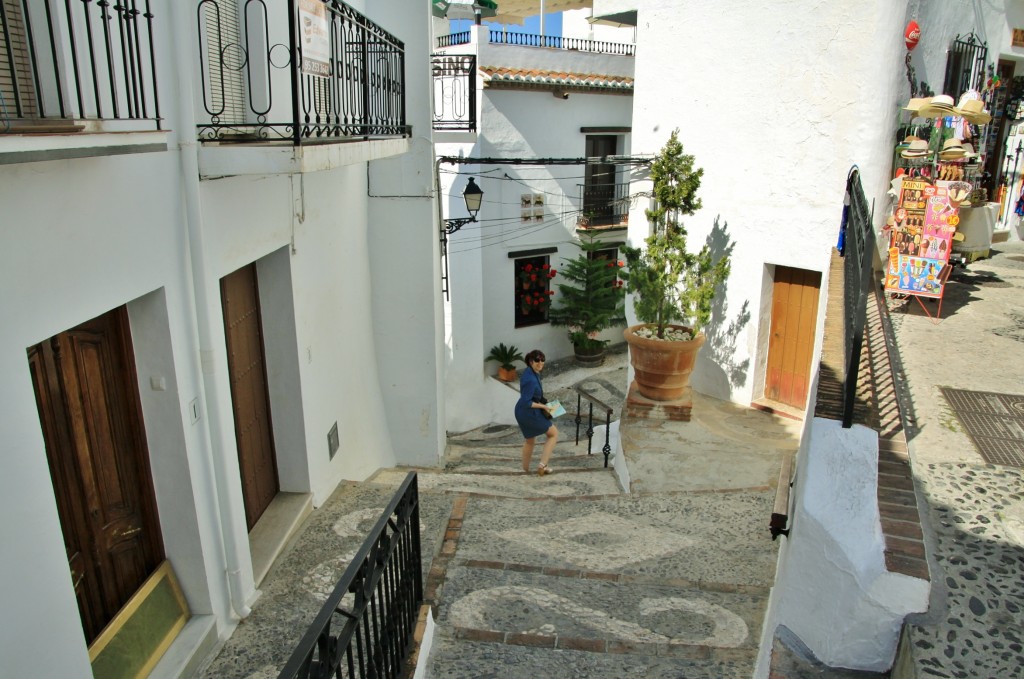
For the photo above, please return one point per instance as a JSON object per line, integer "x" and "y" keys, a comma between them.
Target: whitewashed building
{"x": 543, "y": 105}
{"x": 221, "y": 290}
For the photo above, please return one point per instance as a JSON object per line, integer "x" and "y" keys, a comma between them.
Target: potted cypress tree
{"x": 669, "y": 283}
{"x": 590, "y": 301}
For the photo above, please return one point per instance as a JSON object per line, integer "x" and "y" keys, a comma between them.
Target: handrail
{"x": 582, "y": 393}
{"x": 374, "y": 627}
{"x": 779, "y": 523}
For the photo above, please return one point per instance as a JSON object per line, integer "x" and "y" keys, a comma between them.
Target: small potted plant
{"x": 505, "y": 356}
{"x": 670, "y": 283}
{"x": 592, "y": 300}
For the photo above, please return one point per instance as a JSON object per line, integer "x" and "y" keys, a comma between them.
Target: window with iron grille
{"x": 532, "y": 290}
{"x": 965, "y": 66}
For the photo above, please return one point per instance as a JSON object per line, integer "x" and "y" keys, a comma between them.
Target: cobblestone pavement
{"x": 974, "y": 513}
{"x": 563, "y": 575}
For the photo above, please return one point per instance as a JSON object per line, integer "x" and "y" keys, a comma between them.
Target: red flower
{"x": 551, "y": 292}
{"x": 545, "y": 266}
{"x": 551, "y": 274}
{"x": 610, "y": 264}
{"x": 528, "y": 267}
{"x": 533, "y": 277}
{"x": 621, "y": 263}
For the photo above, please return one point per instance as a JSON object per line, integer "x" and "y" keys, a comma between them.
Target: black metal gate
{"x": 858, "y": 250}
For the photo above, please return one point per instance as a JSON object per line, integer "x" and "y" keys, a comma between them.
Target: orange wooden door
{"x": 791, "y": 345}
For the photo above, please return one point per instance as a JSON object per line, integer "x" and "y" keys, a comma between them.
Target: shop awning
{"x": 618, "y": 19}
{"x": 462, "y": 9}
{"x": 514, "y": 11}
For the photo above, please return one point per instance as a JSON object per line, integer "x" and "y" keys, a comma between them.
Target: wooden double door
{"x": 88, "y": 400}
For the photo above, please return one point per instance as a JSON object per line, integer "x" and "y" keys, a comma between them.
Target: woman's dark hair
{"x": 535, "y": 355}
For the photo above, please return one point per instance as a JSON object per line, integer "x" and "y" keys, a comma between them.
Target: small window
{"x": 532, "y": 290}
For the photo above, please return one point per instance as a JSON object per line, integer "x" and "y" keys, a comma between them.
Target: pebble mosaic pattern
{"x": 978, "y": 515}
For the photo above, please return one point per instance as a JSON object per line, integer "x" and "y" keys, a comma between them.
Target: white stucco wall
{"x": 776, "y": 140}
{"x": 81, "y": 237}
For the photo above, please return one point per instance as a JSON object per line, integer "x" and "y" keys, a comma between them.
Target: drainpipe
{"x": 234, "y": 551}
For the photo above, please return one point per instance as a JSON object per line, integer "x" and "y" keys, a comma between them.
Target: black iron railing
{"x": 461, "y": 38}
{"x": 323, "y": 72}
{"x": 454, "y": 91}
{"x": 560, "y": 43}
{"x": 604, "y": 204}
{"x": 366, "y": 626}
{"x": 603, "y": 407}
{"x": 70, "y": 61}
{"x": 858, "y": 252}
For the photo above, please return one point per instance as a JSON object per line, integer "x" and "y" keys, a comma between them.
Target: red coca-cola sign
{"x": 912, "y": 35}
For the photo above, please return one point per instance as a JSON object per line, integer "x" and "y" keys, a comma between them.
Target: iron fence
{"x": 454, "y": 92}
{"x": 74, "y": 61}
{"x": 560, "y": 43}
{"x": 366, "y": 626}
{"x": 323, "y": 73}
{"x": 858, "y": 250}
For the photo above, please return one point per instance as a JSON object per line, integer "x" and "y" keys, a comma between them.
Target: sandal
{"x": 543, "y": 469}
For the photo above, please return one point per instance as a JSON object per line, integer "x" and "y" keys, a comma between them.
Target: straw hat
{"x": 952, "y": 149}
{"x": 969, "y": 151}
{"x": 914, "y": 105}
{"x": 918, "y": 148}
{"x": 974, "y": 111}
{"x": 939, "y": 106}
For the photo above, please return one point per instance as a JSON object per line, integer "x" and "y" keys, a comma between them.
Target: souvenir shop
{"x": 941, "y": 213}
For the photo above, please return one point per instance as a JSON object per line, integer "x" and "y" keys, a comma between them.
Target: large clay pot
{"x": 662, "y": 369}
{"x": 507, "y": 375}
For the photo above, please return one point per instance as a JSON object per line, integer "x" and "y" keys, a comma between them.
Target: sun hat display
{"x": 915, "y": 104}
{"x": 969, "y": 151}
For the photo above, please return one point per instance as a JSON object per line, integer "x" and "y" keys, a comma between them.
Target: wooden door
{"x": 791, "y": 345}
{"x": 88, "y": 401}
{"x": 243, "y": 328}
{"x": 599, "y": 181}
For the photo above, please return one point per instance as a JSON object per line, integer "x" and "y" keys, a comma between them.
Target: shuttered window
{"x": 226, "y": 58}
{"x": 16, "y": 85}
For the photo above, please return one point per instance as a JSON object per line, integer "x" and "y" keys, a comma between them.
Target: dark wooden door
{"x": 251, "y": 403}
{"x": 791, "y": 345}
{"x": 88, "y": 401}
{"x": 599, "y": 181}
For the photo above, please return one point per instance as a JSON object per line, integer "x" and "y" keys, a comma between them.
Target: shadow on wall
{"x": 727, "y": 373}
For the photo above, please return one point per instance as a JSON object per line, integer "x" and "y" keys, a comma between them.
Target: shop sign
{"x": 314, "y": 38}
{"x": 921, "y": 240}
{"x": 1018, "y": 37}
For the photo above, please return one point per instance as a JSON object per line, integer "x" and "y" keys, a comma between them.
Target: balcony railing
{"x": 604, "y": 204}
{"x": 366, "y": 626}
{"x": 560, "y": 43}
{"x": 461, "y": 38}
{"x": 454, "y": 92}
{"x": 304, "y": 71}
{"x": 66, "y": 62}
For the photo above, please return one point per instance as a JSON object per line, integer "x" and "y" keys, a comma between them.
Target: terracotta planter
{"x": 507, "y": 374}
{"x": 662, "y": 369}
{"x": 589, "y": 356}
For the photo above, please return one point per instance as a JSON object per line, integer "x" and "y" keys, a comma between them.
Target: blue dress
{"x": 531, "y": 421}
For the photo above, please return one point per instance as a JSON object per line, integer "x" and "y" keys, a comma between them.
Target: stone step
{"x": 455, "y": 658}
{"x": 714, "y": 540}
{"x": 564, "y": 482}
{"x": 597, "y": 610}
{"x": 509, "y": 460}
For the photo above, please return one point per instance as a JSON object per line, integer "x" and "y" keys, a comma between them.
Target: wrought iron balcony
{"x": 301, "y": 71}
{"x": 603, "y": 204}
{"x": 67, "y": 66}
{"x": 454, "y": 92}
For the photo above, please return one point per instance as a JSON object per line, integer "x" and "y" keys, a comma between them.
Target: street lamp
{"x": 473, "y": 196}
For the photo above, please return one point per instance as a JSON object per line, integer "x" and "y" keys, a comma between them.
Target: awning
{"x": 618, "y": 19}
{"x": 462, "y": 9}
{"x": 514, "y": 11}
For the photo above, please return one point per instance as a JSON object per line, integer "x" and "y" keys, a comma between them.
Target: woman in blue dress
{"x": 534, "y": 415}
